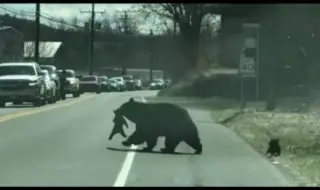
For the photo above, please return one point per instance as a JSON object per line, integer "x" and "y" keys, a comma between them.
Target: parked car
{"x": 113, "y": 85}
{"x": 22, "y": 82}
{"x": 129, "y": 82}
{"x": 54, "y": 76}
{"x": 121, "y": 83}
{"x": 104, "y": 83}
{"x": 167, "y": 83}
{"x": 72, "y": 85}
{"x": 138, "y": 84}
{"x": 90, "y": 83}
{"x": 50, "y": 87}
{"x": 156, "y": 84}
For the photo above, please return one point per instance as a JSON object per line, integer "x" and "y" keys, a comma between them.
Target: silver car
{"x": 22, "y": 82}
{"x": 72, "y": 85}
{"x": 50, "y": 87}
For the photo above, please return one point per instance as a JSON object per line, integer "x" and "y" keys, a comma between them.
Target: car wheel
{"x": 2, "y": 104}
{"x": 75, "y": 94}
{"x": 98, "y": 91}
{"x": 38, "y": 102}
{"x": 54, "y": 99}
{"x": 17, "y": 102}
{"x": 57, "y": 95}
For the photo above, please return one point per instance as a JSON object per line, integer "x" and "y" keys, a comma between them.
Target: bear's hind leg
{"x": 151, "y": 143}
{"x": 170, "y": 145}
{"x": 195, "y": 144}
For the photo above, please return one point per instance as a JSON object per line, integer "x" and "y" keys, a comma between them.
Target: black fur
{"x": 274, "y": 148}
{"x": 118, "y": 121}
{"x": 154, "y": 120}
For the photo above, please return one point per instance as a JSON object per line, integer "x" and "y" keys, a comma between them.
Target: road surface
{"x": 66, "y": 144}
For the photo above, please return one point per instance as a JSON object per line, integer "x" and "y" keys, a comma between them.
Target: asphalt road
{"x": 66, "y": 144}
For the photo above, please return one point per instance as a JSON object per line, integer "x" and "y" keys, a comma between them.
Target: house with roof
{"x": 11, "y": 44}
{"x": 49, "y": 52}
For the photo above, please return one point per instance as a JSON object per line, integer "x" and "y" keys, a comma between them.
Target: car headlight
{"x": 53, "y": 75}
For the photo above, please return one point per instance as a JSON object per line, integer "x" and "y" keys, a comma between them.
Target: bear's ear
{"x": 131, "y": 100}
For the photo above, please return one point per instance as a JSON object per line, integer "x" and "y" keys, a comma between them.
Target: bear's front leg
{"x": 134, "y": 139}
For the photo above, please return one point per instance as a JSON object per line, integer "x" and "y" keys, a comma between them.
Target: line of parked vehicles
{"x": 40, "y": 84}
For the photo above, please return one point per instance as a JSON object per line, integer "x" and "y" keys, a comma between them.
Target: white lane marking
{"x": 127, "y": 164}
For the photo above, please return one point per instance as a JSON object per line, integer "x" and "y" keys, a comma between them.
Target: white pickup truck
{"x": 22, "y": 82}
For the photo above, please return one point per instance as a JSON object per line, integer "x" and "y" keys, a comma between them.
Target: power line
{"x": 41, "y": 15}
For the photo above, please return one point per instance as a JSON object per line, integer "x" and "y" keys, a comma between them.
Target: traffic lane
{"x": 10, "y": 108}
{"x": 62, "y": 147}
{"x": 226, "y": 161}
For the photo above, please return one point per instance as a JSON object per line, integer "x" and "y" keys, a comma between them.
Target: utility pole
{"x": 126, "y": 32}
{"x": 37, "y": 41}
{"x": 91, "y": 50}
{"x": 174, "y": 28}
{"x": 151, "y": 56}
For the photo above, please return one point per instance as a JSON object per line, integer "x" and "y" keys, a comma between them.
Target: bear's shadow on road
{"x": 152, "y": 152}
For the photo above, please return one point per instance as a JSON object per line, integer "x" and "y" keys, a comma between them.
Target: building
{"x": 11, "y": 44}
{"x": 49, "y": 52}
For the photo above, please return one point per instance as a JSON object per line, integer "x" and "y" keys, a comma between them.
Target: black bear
{"x": 154, "y": 120}
{"x": 119, "y": 121}
{"x": 274, "y": 148}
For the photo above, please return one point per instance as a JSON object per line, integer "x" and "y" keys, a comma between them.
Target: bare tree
{"x": 74, "y": 21}
{"x": 125, "y": 22}
{"x": 22, "y": 13}
{"x": 189, "y": 19}
{"x": 106, "y": 25}
{"x": 62, "y": 24}
{"x": 51, "y": 24}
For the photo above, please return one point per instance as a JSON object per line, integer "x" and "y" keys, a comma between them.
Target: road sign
{"x": 250, "y": 43}
{"x": 247, "y": 66}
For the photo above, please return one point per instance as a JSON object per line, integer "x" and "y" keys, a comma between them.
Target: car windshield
{"x": 157, "y": 81}
{"x": 112, "y": 81}
{"x": 48, "y": 68}
{"x": 16, "y": 70}
{"x": 102, "y": 79}
{"x": 69, "y": 74}
{"x": 118, "y": 79}
{"x": 88, "y": 78}
{"x": 128, "y": 78}
{"x": 46, "y": 74}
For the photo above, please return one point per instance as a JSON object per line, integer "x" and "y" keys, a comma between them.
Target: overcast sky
{"x": 62, "y": 11}
{"x": 67, "y": 11}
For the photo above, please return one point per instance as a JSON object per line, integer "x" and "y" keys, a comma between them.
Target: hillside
{"x": 114, "y": 50}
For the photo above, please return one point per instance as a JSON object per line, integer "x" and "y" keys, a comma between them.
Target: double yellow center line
{"x": 41, "y": 109}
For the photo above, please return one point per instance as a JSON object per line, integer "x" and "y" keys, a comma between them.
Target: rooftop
{"x": 4, "y": 28}
{"x": 18, "y": 63}
{"x": 46, "y": 49}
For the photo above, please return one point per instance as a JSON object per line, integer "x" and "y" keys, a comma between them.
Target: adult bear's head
{"x": 131, "y": 110}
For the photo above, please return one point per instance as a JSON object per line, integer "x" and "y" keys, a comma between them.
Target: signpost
{"x": 249, "y": 57}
